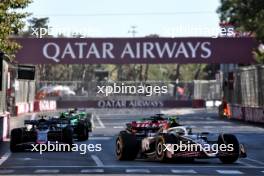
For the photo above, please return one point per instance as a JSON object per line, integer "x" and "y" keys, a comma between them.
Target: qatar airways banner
{"x": 134, "y": 50}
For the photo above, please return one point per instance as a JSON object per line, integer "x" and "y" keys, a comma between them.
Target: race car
{"x": 80, "y": 121}
{"x": 40, "y": 131}
{"x": 167, "y": 144}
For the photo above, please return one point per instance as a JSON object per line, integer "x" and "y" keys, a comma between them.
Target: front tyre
{"x": 83, "y": 132}
{"x": 228, "y": 157}
{"x": 67, "y": 136}
{"x": 127, "y": 146}
{"x": 16, "y": 138}
{"x": 160, "y": 151}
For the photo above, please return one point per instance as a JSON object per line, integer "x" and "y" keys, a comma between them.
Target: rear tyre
{"x": 83, "y": 132}
{"x": 127, "y": 146}
{"x": 160, "y": 153}
{"x": 229, "y": 157}
{"x": 16, "y": 138}
{"x": 67, "y": 136}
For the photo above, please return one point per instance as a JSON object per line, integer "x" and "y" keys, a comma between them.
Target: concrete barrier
{"x": 236, "y": 112}
{"x": 22, "y": 108}
{"x": 36, "y": 106}
{"x": 118, "y": 104}
{"x": 249, "y": 114}
{"x": 253, "y": 114}
{"x": 4, "y": 126}
{"x": 198, "y": 103}
{"x": 45, "y": 105}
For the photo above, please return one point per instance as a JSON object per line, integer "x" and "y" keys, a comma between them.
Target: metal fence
{"x": 2, "y": 101}
{"x": 249, "y": 86}
{"x": 207, "y": 90}
{"x": 4, "y": 82}
{"x": 25, "y": 91}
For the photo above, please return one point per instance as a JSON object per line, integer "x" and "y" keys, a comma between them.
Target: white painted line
{"x": 92, "y": 171}
{"x": 47, "y": 171}
{"x": 137, "y": 171}
{"x": 92, "y": 121}
{"x": 208, "y": 126}
{"x": 100, "y": 122}
{"x": 229, "y": 172}
{"x": 183, "y": 171}
{"x": 7, "y": 171}
{"x": 24, "y": 159}
{"x": 98, "y": 162}
{"x": 253, "y": 160}
{"x": 137, "y": 166}
{"x": 4, "y": 158}
{"x": 245, "y": 164}
{"x": 100, "y": 138}
{"x": 118, "y": 127}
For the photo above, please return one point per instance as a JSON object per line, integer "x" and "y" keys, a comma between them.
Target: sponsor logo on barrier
{"x": 129, "y": 104}
{"x": 47, "y": 105}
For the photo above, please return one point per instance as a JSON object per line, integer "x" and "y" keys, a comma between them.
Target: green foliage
{"x": 36, "y": 23}
{"x": 11, "y": 22}
{"x": 246, "y": 16}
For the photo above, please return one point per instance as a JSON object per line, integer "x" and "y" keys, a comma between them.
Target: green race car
{"x": 80, "y": 121}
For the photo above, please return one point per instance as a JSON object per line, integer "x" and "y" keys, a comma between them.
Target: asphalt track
{"x": 107, "y": 125}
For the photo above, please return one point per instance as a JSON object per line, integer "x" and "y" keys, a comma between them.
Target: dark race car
{"x": 41, "y": 131}
{"x": 167, "y": 144}
{"x": 80, "y": 121}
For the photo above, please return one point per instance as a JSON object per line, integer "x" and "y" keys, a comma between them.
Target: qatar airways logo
{"x": 129, "y": 50}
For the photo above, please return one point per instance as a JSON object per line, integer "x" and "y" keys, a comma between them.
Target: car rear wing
{"x": 30, "y": 122}
{"x": 144, "y": 126}
{"x": 58, "y": 121}
{"x": 48, "y": 121}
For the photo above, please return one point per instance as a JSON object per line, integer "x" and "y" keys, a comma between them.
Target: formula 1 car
{"x": 167, "y": 144}
{"x": 80, "y": 121}
{"x": 40, "y": 131}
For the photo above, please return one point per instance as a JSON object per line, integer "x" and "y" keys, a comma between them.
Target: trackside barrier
{"x": 36, "y": 106}
{"x": 236, "y": 112}
{"x": 249, "y": 114}
{"x": 45, "y": 105}
{"x": 4, "y": 125}
{"x": 198, "y": 103}
{"x": 254, "y": 114}
{"x": 22, "y": 108}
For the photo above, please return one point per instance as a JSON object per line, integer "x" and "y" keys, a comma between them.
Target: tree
{"x": 246, "y": 16}
{"x": 11, "y": 22}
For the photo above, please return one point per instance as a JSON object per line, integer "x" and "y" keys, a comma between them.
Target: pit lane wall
{"x": 248, "y": 114}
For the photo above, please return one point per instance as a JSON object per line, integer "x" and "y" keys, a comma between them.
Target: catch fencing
{"x": 81, "y": 90}
{"x": 248, "y": 88}
{"x": 25, "y": 91}
{"x": 3, "y": 88}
